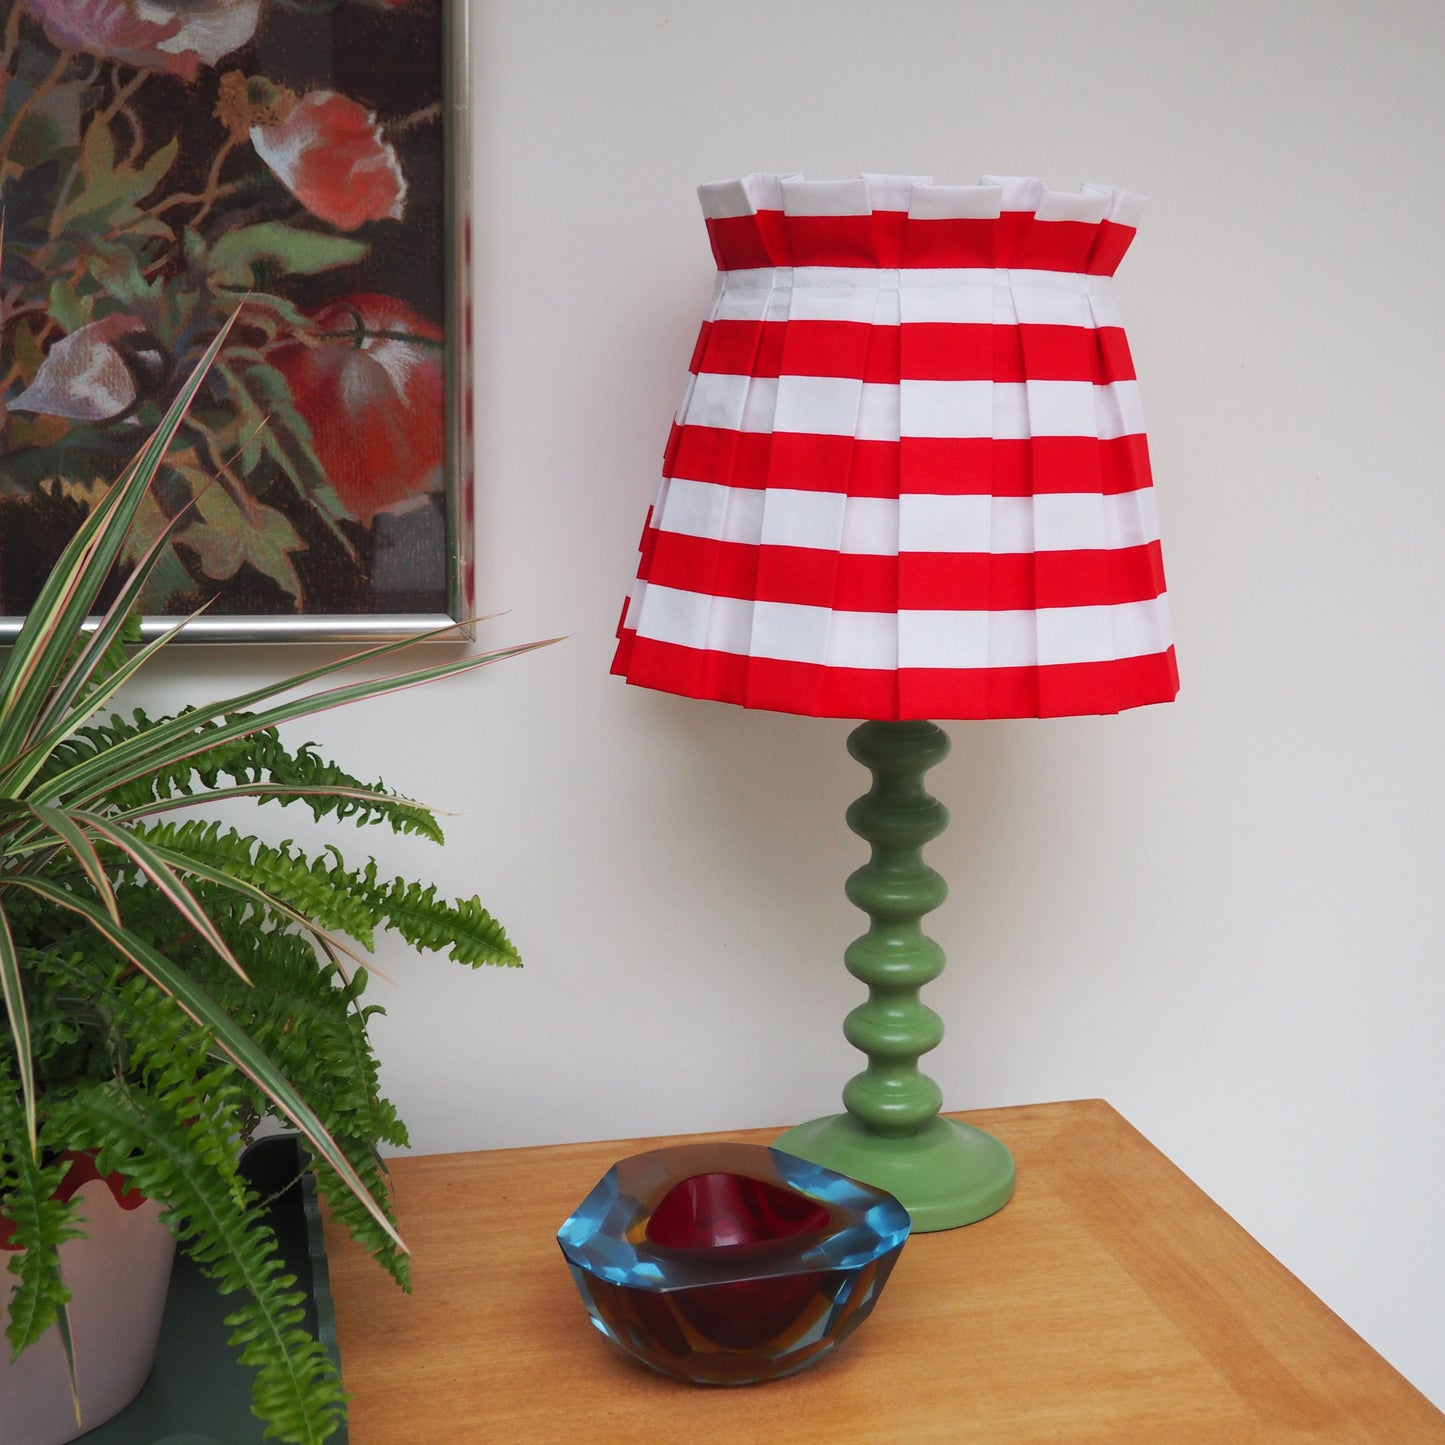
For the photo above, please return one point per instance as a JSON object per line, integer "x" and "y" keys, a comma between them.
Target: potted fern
{"x": 168, "y": 982}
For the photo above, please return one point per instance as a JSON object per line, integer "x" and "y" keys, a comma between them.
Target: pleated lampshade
{"x": 908, "y": 477}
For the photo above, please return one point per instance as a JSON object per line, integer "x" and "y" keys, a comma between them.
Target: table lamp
{"x": 907, "y": 480}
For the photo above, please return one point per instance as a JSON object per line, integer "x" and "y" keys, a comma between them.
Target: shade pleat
{"x": 747, "y": 523}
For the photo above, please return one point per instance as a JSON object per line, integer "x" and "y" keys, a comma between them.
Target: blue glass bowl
{"x": 730, "y": 1263}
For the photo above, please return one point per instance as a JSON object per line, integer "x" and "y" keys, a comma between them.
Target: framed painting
{"x": 164, "y": 163}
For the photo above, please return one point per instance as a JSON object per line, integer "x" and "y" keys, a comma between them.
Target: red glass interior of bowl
{"x": 723, "y": 1211}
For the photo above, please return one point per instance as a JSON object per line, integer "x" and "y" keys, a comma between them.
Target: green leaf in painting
{"x": 49, "y": 126}
{"x": 237, "y": 254}
{"x": 250, "y": 417}
{"x": 141, "y": 225}
{"x": 70, "y": 311}
{"x": 275, "y": 314}
{"x": 28, "y": 351}
{"x": 288, "y": 438}
{"x": 235, "y": 533}
{"x": 195, "y": 247}
{"x": 154, "y": 171}
{"x": 97, "y": 151}
{"x": 118, "y": 271}
{"x": 110, "y": 188}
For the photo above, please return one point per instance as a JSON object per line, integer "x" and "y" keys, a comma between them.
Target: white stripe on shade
{"x": 1034, "y": 639}
{"x": 1019, "y": 409}
{"x": 791, "y": 632}
{"x": 730, "y": 402}
{"x": 977, "y": 295}
{"x": 876, "y": 411}
{"x": 706, "y": 509}
{"x": 918, "y": 522}
{"x": 841, "y": 297}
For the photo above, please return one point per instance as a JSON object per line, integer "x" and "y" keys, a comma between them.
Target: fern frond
{"x": 328, "y": 1053}
{"x": 258, "y": 765}
{"x": 93, "y": 740}
{"x": 464, "y": 928}
{"x": 319, "y": 888}
{"x": 328, "y": 790}
{"x": 40, "y": 1223}
{"x": 310, "y": 1022}
{"x": 345, "y": 1209}
{"x": 230, "y": 1037}
{"x": 355, "y": 901}
{"x": 168, "y": 1132}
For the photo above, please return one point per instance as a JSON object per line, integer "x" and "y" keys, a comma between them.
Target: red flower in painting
{"x": 175, "y": 35}
{"x": 373, "y": 394}
{"x": 329, "y": 152}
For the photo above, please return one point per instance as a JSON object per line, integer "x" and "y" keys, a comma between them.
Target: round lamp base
{"x": 946, "y": 1175}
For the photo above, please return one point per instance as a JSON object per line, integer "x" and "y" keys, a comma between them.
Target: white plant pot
{"x": 118, "y": 1278}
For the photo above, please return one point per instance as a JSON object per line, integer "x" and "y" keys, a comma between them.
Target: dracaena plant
{"x": 168, "y": 982}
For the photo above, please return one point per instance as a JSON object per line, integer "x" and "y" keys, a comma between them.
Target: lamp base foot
{"x": 946, "y": 1175}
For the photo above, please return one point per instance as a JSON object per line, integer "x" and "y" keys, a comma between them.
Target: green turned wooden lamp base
{"x": 946, "y": 1175}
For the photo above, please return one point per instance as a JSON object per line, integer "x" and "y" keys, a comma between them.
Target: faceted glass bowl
{"x": 729, "y": 1264}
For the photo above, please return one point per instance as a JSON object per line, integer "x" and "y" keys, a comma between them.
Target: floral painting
{"x": 165, "y": 162}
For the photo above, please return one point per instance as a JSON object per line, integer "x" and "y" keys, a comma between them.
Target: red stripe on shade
{"x": 1112, "y": 241}
{"x": 919, "y": 351}
{"x": 1075, "y": 689}
{"x": 1028, "y": 467}
{"x": 783, "y": 459}
{"x": 699, "y": 350}
{"x": 963, "y": 241}
{"x": 947, "y": 351}
{"x": 1059, "y": 690}
{"x": 949, "y": 466}
{"x": 872, "y": 240}
{"x": 891, "y": 239}
{"x": 924, "y": 581}
{"x": 742, "y": 243}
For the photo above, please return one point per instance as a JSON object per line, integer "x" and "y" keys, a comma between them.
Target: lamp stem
{"x": 945, "y": 1173}
{"x": 895, "y": 958}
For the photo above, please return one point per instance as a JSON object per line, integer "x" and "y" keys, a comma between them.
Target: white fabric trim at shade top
{"x": 795, "y": 195}
{"x": 917, "y": 522}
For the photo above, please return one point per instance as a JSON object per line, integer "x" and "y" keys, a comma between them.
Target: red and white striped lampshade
{"x": 908, "y": 478}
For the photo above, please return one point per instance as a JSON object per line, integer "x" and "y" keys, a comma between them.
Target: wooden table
{"x": 1111, "y": 1301}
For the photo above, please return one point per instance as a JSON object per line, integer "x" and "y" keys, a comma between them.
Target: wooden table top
{"x": 1111, "y": 1301}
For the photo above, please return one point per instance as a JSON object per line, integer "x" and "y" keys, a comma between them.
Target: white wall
{"x": 1221, "y": 915}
